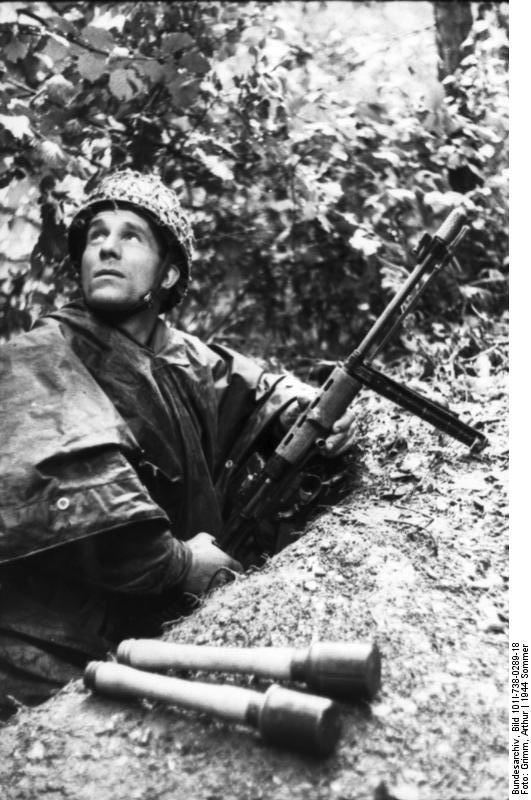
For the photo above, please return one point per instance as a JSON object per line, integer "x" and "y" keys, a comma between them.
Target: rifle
{"x": 279, "y": 478}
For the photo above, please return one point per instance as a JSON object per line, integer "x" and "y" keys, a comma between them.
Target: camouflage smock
{"x": 111, "y": 452}
{"x": 100, "y": 432}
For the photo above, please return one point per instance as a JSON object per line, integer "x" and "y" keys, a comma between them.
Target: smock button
{"x": 63, "y": 503}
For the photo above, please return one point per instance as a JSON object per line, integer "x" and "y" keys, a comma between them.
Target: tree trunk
{"x": 453, "y": 21}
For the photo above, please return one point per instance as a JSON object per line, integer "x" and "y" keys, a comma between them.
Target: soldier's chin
{"x": 108, "y": 302}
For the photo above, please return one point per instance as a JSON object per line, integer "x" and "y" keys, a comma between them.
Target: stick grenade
{"x": 346, "y": 670}
{"x": 283, "y": 717}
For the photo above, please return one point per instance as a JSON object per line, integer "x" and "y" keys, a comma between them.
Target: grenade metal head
{"x": 299, "y": 721}
{"x": 346, "y": 670}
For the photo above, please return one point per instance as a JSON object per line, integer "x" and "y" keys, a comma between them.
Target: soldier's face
{"x": 121, "y": 261}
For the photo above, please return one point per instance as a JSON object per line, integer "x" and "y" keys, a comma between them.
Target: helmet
{"x": 150, "y": 196}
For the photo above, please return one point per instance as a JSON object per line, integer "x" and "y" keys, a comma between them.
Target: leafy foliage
{"x": 305, "y": 203}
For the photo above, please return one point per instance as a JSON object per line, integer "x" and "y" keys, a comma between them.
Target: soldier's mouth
{"x": 106, "y": 272}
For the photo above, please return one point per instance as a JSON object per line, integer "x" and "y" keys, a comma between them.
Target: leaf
{"x": 36, "y": 752}
{"x": 363, "y": 243}
{"x": 18, "y": 193}
{"x": 214, "y": 165}
{"x": 324, "y": 222}
{"x": 475, "y": 292}
{"x": 19, "y": 238}
{"x": 474, "y": 482}
{"x": 54, "y": 121}
{"x": 483, "y": 365}
{"x": 405, "y": 791}
{"x": 18, "y": 125}
{"x": 59, "y": 90}
{"x": 115, "y": 125}
{"x": 350, "y": 218}
{"x": 98, "y": 37}
{"x": 402, "y": 195}
{"x": 330, "y": 191}
{"x": 183, "y": 92}
{"x": 392, "y": 514}
{"x": 176, "y": 41}
{"x": 73, "y": 187}
{"x": 389, "y": 156}
{"x": 469, "y": 61}
{"x": 8, "y": 12}
{"x": 152, "y": 70}
{"x": 487, "y": 151}
{"x": 64, "y": 25}
{"x": 118, "y": 53}
{"x": 338, "y": 152}
{"x": 16, "y": 49}
{"x": 480, "y": 26}
{"x": 195, "y": 62}
{"x": 442, "y": 201}
{"x": 91, "y": 66}
{"x": 112, "y": 18}
{"x": 225, "y": 75}
{"x": 99, "y": 145}
{"x": 56, "y": 49}
{"x": 411, "y": 463}
{"x": 51, "y": 153}
{"x": 308, "y": 209}
{"x": 120, "y": 83}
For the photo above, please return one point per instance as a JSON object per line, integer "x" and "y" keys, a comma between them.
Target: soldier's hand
{"x": 343, "y": 435}
{"x": 210, "y": 565}
{"x": 291, "y": 412}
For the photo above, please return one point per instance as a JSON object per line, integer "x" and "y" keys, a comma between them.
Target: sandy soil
{"x": 415, "y": 558}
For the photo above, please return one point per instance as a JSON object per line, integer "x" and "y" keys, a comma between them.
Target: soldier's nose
{"x": 110, "y": 248}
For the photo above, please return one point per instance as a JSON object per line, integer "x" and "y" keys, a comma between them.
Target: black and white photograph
{"x": 254, "y": 403}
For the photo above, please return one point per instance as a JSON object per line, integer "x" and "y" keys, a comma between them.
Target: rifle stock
{"x": 307, "y": 434}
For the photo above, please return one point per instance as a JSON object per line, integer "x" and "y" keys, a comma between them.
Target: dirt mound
{"x": 417, "y": 559}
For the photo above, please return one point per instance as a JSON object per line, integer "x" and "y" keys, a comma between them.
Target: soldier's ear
{"x": 171, "y": 277}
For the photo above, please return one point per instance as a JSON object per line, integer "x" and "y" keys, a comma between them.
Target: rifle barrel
{"x": 435, "y": 255}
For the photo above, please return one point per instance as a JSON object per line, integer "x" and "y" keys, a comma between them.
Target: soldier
{"x": 120, "y": 438}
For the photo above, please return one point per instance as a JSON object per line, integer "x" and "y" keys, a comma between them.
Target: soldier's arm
{"x": 141, "y": 560}
{"x": 155, "y": 563}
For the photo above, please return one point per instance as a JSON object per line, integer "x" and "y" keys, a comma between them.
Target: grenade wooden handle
{"x": 347, "y": 670}
{"x": 283, "y": 717}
